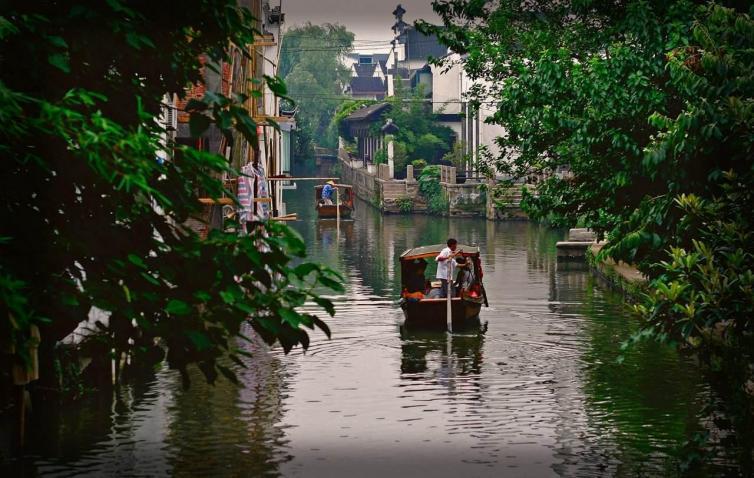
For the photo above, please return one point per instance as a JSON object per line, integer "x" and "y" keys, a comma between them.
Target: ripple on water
{"x": 537, "y": 392}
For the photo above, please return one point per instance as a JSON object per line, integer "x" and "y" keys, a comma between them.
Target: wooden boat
{"x": 432, "y": 312}
{"x": 329, "y": 211}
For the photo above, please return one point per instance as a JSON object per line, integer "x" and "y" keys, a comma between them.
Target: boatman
{"x": 327, "y": 192}
{"x": 446, "y": 265}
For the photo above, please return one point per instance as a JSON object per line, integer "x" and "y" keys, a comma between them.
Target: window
{"x": 365, "y": 60}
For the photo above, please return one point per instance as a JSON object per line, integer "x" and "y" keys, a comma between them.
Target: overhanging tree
{"x": 646, "y": 107}
{"x": 91, "y": 219}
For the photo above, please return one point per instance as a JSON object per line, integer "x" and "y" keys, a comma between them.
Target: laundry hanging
{"x": 253, "y": 194}
{"x": 246, "y": 194}
{"x": 262, "y": 192}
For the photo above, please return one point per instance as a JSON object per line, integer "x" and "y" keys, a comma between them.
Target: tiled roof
{"x": 367, "y": 113}
{"x": 421, "y": 47}
{"x": 370, "y": 84}
{"x": 364, "y": 70}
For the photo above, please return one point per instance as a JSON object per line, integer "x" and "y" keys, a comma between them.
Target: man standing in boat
{"x": 327, "y": 193}
{"x": 446, "y": 265}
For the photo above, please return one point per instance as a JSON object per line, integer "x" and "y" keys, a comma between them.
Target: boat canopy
{"x": 433, "y": 250}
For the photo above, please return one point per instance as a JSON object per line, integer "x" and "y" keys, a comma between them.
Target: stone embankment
{"x": 582, "y": 245}
{"x": 375, "y": 185}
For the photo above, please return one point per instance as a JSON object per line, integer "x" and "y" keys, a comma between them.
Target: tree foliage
{"x": 638, "y": 118}
{"x": 91, "y": 220}
{"x": 310, "y": 63}
{"x": 419, "y": 133}
{"x": 619, "y": 107}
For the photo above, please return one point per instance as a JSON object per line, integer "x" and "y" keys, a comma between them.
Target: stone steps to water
{"x": 393, "y": 191}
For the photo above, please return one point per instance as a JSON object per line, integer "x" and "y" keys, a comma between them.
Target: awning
{"x": 433, "y": 250}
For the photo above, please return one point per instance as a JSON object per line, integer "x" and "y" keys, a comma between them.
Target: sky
{"x": 369, "y": 20}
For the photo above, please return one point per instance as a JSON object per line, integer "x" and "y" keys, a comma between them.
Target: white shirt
{"x": 442, "y": 266}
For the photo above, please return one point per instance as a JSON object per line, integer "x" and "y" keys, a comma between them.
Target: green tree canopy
{"x": 588, "y": 88}
{"x": 91, "y": 219}
{"x": 311, "y": 64}
{"x": 419, "y": 134}
{"x": 638, "y": 117}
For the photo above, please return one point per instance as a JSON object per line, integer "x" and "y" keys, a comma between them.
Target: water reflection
{"x": 536, "y": 392}
{"x": 440, "y": 354}
{"x": 222, "y": 429}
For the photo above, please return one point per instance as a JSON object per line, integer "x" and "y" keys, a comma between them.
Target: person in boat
{"x": 416, "y": 284}
{"x": 465, "y": 278}
{"x": 327, "y": 193}
{"x": 446, "y": 266}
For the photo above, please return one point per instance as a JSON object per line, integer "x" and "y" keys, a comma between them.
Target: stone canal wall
{"x": 401, "y": 196}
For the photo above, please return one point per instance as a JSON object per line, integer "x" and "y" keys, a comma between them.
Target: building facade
{"x": 271, "y": 151}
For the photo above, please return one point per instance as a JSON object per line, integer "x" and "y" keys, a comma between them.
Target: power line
{"x": 337, "y": 47}
{"x": 405, "y": 100}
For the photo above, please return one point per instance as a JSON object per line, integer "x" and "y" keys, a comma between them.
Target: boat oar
{"x": 337, "y": 210}
{"x": 449, "y": 310}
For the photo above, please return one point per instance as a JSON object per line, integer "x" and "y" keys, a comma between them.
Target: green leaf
{"x": 292, "y": 317}
{"x": 178, "y": 307}
{"x": 335, "y": 286}
{"x": 57, "y": 41}
{"x": 325, "y": 304}
{"x": 303, "y": 270}
{"x": 59, "y": 61}
{"x": 276, "y": 85}
{"x": 200, "y": 340}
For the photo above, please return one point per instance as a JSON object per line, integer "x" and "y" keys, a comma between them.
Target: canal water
{"x": 537, "y": 391}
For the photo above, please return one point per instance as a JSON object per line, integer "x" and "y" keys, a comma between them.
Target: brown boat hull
{"x": 329, "y": 212}
{"x": 432, "y": 313}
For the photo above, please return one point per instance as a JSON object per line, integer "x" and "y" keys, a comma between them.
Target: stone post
{"x": 490, "y": 203}
{"x": 410, "y": 173}
{"x": 451, "y": 175}
{"x": 390, "y": 161}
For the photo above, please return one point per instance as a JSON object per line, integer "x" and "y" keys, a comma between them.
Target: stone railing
{"x": 448, "y": 174}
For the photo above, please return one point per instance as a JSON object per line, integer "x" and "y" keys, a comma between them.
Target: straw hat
{"x": 331, "y": 182}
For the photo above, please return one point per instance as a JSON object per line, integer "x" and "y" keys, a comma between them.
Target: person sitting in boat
{"x": 327, "y": 193}
{"x": 446, "y": 266}
{"x": 465, "y": 278}
{"x": 416, "y": 284}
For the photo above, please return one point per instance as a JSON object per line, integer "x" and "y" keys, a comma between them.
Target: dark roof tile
{"x": 364, "y": 70}
{"x": 420, "y": 46}
{"x": 367, "y": 85}
{"x": 369, "y": 112}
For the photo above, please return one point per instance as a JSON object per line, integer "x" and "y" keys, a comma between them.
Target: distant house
{"x": 409, "y": 62}
{"x": 369, "y": 88}
{"x": 368, "y": 75}
{"x": 360, "y": 126}
{"x": 444, "y": 87}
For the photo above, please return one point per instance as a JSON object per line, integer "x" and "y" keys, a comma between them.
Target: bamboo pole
{"x": 449, "y": 310}
{"x": 337, "y": 211}
{"x": 291, "y": 178}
